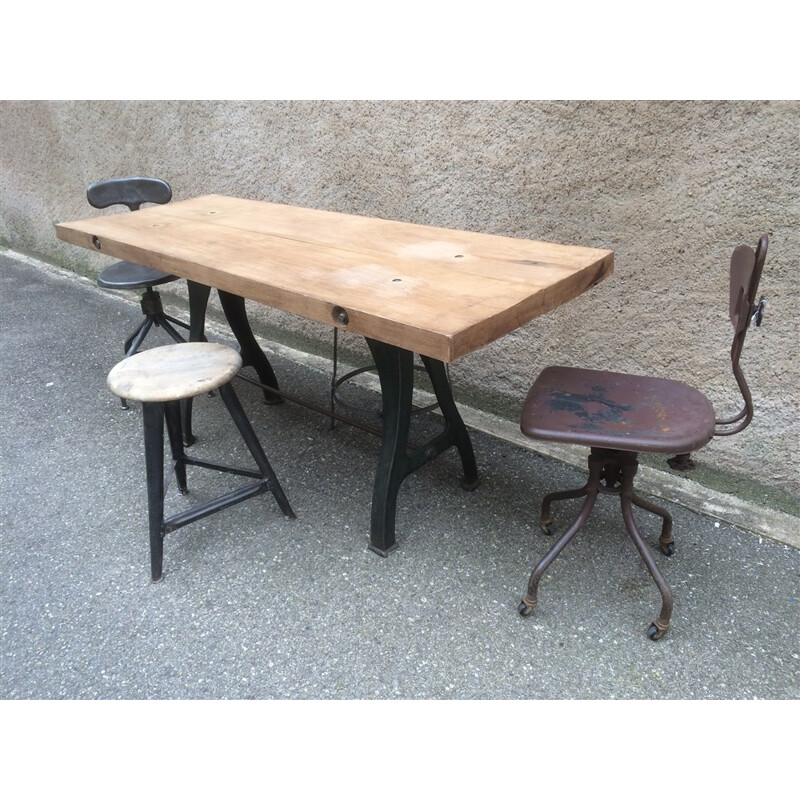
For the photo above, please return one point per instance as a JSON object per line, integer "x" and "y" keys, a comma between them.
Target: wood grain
{"x": 435, "y": 291}
{"x": 174, "y": 371}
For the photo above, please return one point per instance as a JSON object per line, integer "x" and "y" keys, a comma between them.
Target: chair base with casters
{"x": 619, "y": 416}
{"x": 610, "y": 472}
{"x": 159, "y": 379}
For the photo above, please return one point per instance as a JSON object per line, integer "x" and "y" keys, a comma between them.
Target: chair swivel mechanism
{"x": 619, "y": 415}
{"x": 133, "y": 193}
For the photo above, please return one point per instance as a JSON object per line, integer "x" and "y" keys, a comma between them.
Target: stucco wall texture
{"x": 672, "y": 187}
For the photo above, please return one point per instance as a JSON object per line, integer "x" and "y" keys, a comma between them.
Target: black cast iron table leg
{"x": 396, "y": 372}
{"x": 252, "y": 354}
{"x": 455, "y": 430}
{"x": 198, "y": 303}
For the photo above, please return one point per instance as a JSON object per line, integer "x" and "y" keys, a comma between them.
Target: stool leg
{"x": 172, "y": 413}
{"x": 251, "y": 440}
{"x": 178, "y": 322}
{"x": 162, "y": 322}
{"x": 133, "y": 342}
{"x": 153, "y": 416}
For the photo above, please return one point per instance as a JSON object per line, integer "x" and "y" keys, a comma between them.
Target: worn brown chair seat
{"x": 619, "y": 415}
{"x": 617, "y": 411}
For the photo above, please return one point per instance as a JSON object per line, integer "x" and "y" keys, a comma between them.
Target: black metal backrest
{"x": 131, "y": 192}
{"x": 746, "y": 268}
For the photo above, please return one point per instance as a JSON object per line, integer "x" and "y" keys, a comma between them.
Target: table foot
{"x": 382, "y": 553}
{"x": 470, "y": 485}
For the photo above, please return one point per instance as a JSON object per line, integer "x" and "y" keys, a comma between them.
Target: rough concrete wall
{"x": 671, "y": 187}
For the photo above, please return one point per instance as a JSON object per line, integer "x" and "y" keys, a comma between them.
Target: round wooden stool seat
{"x": 174, "y": 372}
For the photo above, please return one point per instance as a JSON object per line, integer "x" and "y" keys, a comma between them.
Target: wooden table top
{"x": 435, "y": 291}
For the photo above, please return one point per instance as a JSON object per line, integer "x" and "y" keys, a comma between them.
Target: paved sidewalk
{"x": 256, "y": 606}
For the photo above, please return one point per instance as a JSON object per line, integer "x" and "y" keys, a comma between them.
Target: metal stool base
{"x": 155, "y": 414}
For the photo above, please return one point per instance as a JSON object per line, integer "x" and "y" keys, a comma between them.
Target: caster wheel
{"x": 654, "y": 633}
{"x": 668, "y": 549}
{"x": 524, "y": 609}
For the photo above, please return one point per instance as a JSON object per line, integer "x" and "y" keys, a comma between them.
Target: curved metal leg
{"x": 546, "y": 517}
{"x": 661, "y": 625}
{"x": 395, "y": 369}
{"x": 610, "y": 472}
{"x": 252, "y": 354}
{"x": 528, "y": 603}
{"x": 454, "y": 425}
{"x": 332, "y": 394}
{"x": 665, "y": 541}
{"x": 198, "y": 303}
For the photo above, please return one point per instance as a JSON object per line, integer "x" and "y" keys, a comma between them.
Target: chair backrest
{"x": 746, "y": 268}
{"x": 131, "y": 192}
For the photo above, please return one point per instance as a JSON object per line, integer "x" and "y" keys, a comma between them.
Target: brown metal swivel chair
{"x": 619, "y": 416}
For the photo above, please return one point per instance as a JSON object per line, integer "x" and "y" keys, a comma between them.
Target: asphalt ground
{"x": 255, "y": 606}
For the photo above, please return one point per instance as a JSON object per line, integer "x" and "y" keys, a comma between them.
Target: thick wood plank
{"x": 435, "y": 291}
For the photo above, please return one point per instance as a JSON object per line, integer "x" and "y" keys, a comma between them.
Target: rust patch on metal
{"x": 594, "y": 409}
